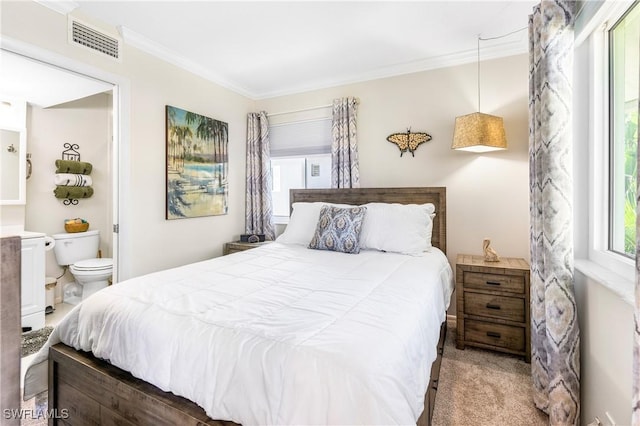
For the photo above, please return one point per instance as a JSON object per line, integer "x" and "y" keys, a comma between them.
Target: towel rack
{"x": 71, "y": 153}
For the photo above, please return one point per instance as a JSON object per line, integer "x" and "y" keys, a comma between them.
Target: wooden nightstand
{"x": 236, "y": 246}
{"x": 493, "y": 304}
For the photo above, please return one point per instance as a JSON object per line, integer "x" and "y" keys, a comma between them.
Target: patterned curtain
{"x": 344, "y": 148}
{"x": 555, "y": 337}
{"x": 258, "y": 212}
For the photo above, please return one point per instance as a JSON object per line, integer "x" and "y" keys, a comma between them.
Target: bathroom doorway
{"x": 110, "y": 102}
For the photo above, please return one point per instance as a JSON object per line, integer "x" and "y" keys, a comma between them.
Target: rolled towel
{"x": 68, "y": 166}
{"x": 73, "y": 192}
{"x": 71, "y": 179}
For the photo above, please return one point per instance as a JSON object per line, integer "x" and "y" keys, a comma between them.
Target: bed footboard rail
{"x": 84, "y": 390}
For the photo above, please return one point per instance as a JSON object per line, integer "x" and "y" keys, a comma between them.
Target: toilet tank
{"x": 73, "y": 247}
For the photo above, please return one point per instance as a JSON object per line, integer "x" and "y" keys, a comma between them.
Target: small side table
{"x": 492, "y": 301}
{"x": 236, "y": 246}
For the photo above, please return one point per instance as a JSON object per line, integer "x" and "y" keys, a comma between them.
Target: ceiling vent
{"x": 89, "y": 37}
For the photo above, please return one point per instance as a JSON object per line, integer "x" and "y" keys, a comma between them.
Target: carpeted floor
{"x": 32, "y": 341}
{"x": 479, "y": 387}
{"x": 476, "y": 387}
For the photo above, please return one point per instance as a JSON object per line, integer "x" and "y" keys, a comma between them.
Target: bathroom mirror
{"x": 13, "y": 165}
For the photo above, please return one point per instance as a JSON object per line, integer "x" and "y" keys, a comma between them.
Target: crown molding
{"x": 495, "y": 51}
{"x": 444, "y": 61}
{"x": 141, "y": 42}
{"x": 63, "y": 7}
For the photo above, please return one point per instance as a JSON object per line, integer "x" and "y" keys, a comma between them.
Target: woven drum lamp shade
{"x": 479, "y": 132}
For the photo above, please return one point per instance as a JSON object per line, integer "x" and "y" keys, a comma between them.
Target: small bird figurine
{"x": 490, "y": 254}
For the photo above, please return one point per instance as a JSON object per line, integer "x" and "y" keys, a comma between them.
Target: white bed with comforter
{"x": 291, "y": 335}
{"x": 280, "y": 334}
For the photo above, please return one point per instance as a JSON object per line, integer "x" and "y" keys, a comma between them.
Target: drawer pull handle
{"x": 491, "y": 306}
{"x": 493, "y": 334}
{"x": 493, "y": 283}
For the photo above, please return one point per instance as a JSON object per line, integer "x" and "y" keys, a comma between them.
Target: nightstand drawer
{"x": 503, "y": 336}
{"x": 484, "y": 281}
{"x": 487, "y": 305}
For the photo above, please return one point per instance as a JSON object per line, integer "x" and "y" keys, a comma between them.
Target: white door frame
{"x": 121, "y": 245}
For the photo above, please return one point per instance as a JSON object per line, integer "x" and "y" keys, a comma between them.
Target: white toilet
{"x": 78, "y": 251}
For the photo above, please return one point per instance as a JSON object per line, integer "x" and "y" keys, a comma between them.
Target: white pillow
{"x": 399, "y": 228}
{"x": 303, "y": 222}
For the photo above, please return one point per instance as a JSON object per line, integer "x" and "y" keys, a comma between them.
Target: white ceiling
{"x": 43, "y": 85}
{"x": 267, "y": 48}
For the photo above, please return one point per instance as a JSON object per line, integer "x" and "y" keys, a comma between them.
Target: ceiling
{"x": 266, "y": 48}
{"x": 41, "y": 84}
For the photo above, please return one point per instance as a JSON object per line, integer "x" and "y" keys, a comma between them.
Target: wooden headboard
{"x": 357, "y": 196}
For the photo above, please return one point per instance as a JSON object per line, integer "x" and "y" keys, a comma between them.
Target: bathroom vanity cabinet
{"x": 33, "y": 280}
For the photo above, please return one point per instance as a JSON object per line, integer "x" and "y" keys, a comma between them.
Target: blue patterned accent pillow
{"x": 339, "y": 229}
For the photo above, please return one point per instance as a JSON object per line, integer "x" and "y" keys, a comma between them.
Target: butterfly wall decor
{"x": 408, "y": 141}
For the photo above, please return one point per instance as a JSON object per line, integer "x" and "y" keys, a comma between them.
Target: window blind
{"x": 300, "y": 138}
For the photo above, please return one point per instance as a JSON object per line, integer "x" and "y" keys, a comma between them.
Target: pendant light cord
{"x": 478, "y": 72}
{"x": 491, "y": 38}
{"x": 502, "y": 36}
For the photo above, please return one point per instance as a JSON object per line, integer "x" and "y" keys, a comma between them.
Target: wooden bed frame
{"x": 84, "y": 390}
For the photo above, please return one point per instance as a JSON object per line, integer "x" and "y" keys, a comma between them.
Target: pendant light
{"x": 478, "y": 132}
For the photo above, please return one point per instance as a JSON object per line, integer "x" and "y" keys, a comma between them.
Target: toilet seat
{"x": 93, "y": 265}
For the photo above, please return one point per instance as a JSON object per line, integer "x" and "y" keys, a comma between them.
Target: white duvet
{"x": 279, "y": 334}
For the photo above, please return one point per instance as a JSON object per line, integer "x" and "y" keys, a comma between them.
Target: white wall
{"x": 606, "y": 352}
{"x": 154, "y": 242}
{"x": 487, "y": 195}
{"x": 86, "y": 122}
{"x": 12, "y": 216}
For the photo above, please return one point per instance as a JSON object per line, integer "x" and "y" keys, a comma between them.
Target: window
{"x": 313, "y": 171}
{"x": 624, "y": 90}
{"x": 300, "y": 158}
{"x": 607, "y": 47}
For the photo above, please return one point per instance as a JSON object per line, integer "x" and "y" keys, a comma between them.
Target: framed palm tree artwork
{"x": 197, "y": 164}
